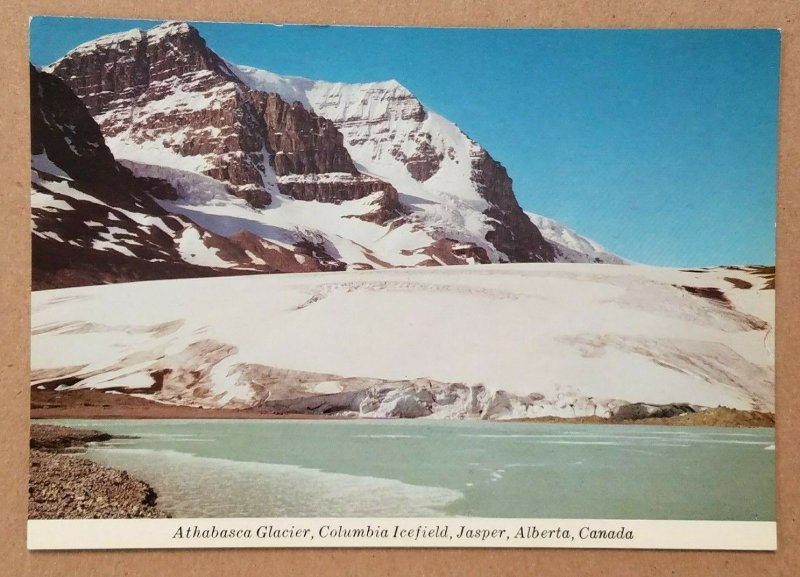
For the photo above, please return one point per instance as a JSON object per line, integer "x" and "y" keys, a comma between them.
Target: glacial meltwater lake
{"x": 426, "y": 468}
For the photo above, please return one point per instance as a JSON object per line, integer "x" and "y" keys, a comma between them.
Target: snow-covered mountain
{"x": 570, "y": 246}
{"x": 297, "y": 174}
{"x": 449, "y": 181}
{"x": 496, "y": 341}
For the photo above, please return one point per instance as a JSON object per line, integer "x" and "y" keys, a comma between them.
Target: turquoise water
{"x": 422, "y": 468}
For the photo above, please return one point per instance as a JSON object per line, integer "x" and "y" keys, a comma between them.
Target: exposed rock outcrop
{"x": 83, "y": 199}
{"x": 514, "y": 234}
{"x": 65, "y": 133}
{"x": 337, "y": 188}
{"x": 636, "y": 411}
{"x": 305, "y": 143}
{"x": 386, "y": 207}
{"x": 446, "y": 251}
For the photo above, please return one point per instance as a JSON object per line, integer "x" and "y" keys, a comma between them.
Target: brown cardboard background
{"x": 15, "y": 273}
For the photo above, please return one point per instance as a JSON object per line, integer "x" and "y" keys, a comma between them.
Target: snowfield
{"x": 486, "y": 341}
{"x": 571, "y": 246}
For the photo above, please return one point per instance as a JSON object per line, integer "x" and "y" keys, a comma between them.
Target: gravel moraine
{"x": 67, "y": 486}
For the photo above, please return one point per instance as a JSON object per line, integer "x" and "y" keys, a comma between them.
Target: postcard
{"x": 330, "y": 286}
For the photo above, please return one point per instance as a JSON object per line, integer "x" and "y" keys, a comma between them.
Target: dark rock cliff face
{"x": 336, "y": 191}
{"x": 62, "y": 129}
{"x": 125, "y": 67}
{"x": 188, "y": 100}
{"x": 307, "y": 143}
{"x": 514, "y": 233}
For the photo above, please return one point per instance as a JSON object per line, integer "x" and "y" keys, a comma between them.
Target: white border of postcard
{"x": 400, "y": 532}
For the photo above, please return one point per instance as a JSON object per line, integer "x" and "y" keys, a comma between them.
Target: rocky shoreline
{"x": 63, "y": 485}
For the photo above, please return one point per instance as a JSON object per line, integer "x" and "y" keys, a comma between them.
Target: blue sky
{"x": 659, "y": 144}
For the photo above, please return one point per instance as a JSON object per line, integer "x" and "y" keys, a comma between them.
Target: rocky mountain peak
{"x": 171, "y": 28}
{"x": 120, "y": 67}
{"x": 387, "y": 101}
